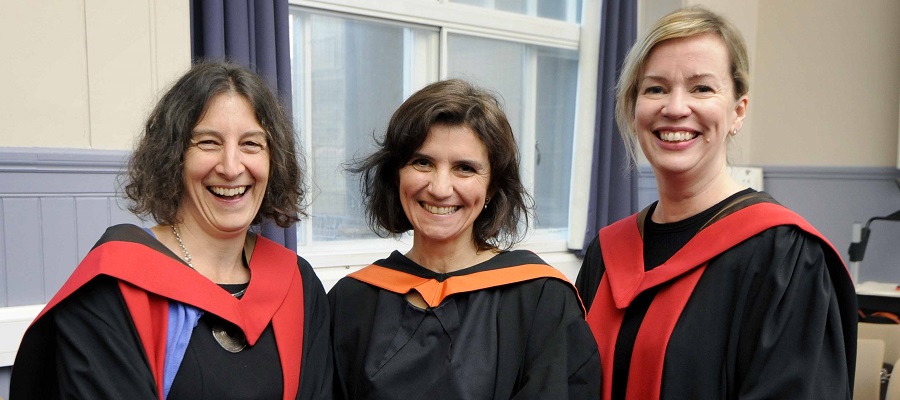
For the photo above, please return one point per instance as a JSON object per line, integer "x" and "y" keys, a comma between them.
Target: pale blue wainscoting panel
{"x": 23, "y": 250}
{"x": 54, "y": 205}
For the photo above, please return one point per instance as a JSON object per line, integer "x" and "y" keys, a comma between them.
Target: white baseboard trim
{"x": 13, "y": 322}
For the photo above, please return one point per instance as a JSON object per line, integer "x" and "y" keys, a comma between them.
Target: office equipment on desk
{"x": 873, "y": 296}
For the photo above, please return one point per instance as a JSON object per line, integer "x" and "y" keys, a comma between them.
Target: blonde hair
{"x": 682, "y": 23}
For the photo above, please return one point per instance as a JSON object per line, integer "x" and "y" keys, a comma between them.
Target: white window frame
{"x": 334, "y": 260}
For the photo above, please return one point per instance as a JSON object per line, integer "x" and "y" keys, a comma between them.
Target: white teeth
{"x": 676, "y": 136}
{"x": 228, "y": 192}
{"x": 439, "y": 210}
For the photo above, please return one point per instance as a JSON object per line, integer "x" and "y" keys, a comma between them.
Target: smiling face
{"x": 444, "y": 185}
{"x": 686, "y": 107}
{"x": 226, "y": 168}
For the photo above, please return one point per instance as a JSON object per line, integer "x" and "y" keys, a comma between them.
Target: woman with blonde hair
{"x": 715, "y": 291}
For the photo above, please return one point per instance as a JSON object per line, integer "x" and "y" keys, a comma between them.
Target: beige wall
{"x": 83, "y": 73}
{"x": 825, "y": 79}
{"x": 825, "y": 74}
{"x": 828, "y": 81}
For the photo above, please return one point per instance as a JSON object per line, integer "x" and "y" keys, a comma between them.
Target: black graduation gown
{"x": 87, "y": 344}
{"x": 771, "y": 317}
{"x": 526, "y": 339}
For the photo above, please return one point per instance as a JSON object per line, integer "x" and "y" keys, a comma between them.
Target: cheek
{"x": 643, "y": 113}
{"x": 193, "y": 171}
{"x": 406, "y": 182}
{"x": 260, "y": 168}
{"x": 477, "y": 189}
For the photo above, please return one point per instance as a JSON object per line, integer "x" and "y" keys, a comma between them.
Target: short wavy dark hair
{"x": 457, "y": 103}
{"x": 155, "y": 177}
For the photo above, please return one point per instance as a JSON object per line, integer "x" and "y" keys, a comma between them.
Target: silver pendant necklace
{"x": 232, "y": 340}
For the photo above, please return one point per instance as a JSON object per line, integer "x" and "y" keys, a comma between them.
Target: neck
{"x": 683, "y": 198}
{"x": 447, "y": 257}
{"x": 219, "y": 259}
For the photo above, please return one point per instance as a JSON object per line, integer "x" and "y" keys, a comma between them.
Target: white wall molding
{"x": 13, "y": 322}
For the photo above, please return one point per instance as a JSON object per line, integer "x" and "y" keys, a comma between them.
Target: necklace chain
{"x": 187, "y": 257}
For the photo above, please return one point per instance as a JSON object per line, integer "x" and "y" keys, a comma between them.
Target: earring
{"x": 486, "y": 202}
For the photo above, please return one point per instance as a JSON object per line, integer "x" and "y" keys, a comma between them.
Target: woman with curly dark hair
{"x": 197, "y": 306}
{"x": 459, "y": 316}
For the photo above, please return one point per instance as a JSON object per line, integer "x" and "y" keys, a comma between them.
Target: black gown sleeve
{"x": 99, "y": 354}
{"x": 791, "y": 343}
{"x": 317, "y": 365}
{"x": 591, "y": 272}
{"x": 559, "y": 337}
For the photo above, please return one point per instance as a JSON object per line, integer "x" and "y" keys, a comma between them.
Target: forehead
{"x": 453, "y": 138}
{"x": 700, "y": 54}
{"x": 229, "y": 109}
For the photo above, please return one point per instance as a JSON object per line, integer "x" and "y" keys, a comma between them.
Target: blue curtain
{"x": 253, "y": 33}
{"x": 613, "y": 193}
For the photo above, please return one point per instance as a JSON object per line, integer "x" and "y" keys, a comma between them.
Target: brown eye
{"x": 467, "y": 169}
{"x": 207, "y": 145}
{"x": 653, "y": 91}
{"x": 252, "y": 147}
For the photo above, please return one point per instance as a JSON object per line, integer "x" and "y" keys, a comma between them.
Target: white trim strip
{"x": 13, "y": 322}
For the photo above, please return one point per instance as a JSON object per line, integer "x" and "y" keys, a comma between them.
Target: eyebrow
{"x": 196, "y": 132}
{"x": 476, "y": 164}
{"x": 692, "y": 78}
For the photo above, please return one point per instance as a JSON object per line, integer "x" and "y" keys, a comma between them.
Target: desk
{"x": 878, "y": 296}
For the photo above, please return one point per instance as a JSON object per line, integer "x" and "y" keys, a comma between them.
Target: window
{"x": 556, "y": 9}
{"x": 355, "y": 61}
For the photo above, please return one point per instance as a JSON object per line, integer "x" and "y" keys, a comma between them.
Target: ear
{"x": 491, "y": 193}
{"x": 740, "y": 110}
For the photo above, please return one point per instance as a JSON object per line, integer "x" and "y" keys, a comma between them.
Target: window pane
{"x": 563, "y": 10}
{"x": 358, "y": 72}
{"x": 537, "y": 85}
{"x": 492, "y": 64}
{"x": 557, "y": 77}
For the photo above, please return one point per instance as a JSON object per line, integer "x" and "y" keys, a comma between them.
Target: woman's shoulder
{"x": 349, "y": 287}
{"x": 786, "y": 237}
{"x": 782, "y": 251}
{"x": 127, "y": 233}
{"x": 99, "y": 296}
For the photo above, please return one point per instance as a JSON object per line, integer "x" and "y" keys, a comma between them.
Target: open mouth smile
{"x": 680, "y": 136}
{"x": 439, "y": 210}
{"x": 228, "y": 192}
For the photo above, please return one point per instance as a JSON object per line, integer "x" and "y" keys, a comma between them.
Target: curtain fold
{"x": 613, "y": 192}
{"x": 253, "y": 33}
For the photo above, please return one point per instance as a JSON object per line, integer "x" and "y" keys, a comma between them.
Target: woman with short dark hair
{"x": 459, "y": 316}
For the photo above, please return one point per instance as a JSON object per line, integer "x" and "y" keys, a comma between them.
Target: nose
{"x": 676, "y": 105}
{"x": 230, "y": 164}
{"x": 441, "y": 185}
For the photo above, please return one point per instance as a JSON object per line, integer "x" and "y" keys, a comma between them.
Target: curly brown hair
{"x": 155, "y": 176}
{"x": 453, "y": 102}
